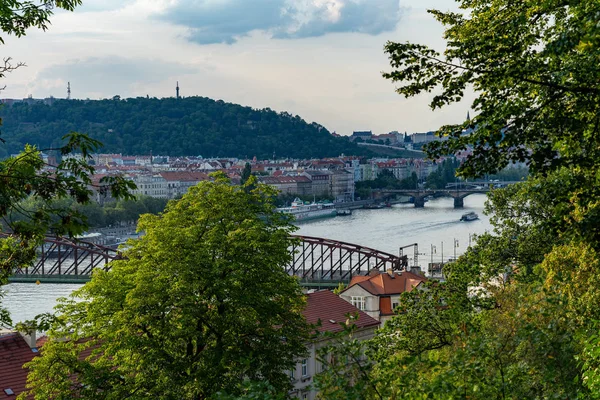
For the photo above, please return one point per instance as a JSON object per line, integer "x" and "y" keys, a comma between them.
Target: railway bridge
{"x": 317, "y": 262}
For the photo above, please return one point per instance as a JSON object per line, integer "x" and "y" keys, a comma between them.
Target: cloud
{"x": 368, "y": 17}
{"x": 107, "y": 76}
{"x": 103, "y": 5}
{"x": 225, "y": 21}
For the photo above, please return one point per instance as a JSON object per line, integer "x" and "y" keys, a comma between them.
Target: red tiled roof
{"x": 326, "y": 306}
{"x": 183, "y": 176}
{"x": 14, "y": 352}
{"x": 384, "y": 284}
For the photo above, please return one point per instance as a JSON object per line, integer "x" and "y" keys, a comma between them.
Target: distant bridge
{"x": 315, "y": 261}
{"x": 458, "y": 191}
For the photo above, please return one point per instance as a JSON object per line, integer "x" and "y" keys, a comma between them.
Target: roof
{"x": 184, "y": 176}
{"x": 14, "y": 352}
{"x": 383, "y": 283}
{"x": 327, "y": 307}
{"x": 284, "y": 179}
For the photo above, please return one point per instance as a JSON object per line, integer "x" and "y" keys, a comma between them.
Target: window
{"x": 305, "y": 396}
{"x": 358, "y": 302}
{"x": 395, "y": 304}
{"x": 293, "y": 373}
{"x": 305, "y": 367}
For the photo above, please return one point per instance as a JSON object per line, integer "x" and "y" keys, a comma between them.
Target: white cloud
{"x": 226, "y": 21}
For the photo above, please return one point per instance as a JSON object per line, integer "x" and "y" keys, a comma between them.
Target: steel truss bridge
{"x": 315, "y": 261}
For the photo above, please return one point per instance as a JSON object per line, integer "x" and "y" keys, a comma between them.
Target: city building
{"x": 289, "y": 185}
{"x": 363, "y": 135}
{"x": 321, "y": 182}
{"x": 178, "y": 182}
{"x": 378, "y": 293}
{"x": 342, "y": 185}
{"x": 153, "y": 185}
{"x": 331, "y": 312}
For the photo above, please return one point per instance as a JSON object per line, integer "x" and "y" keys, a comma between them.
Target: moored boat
{"x": 343, "y": 212}
{"x": 305, "y": 212}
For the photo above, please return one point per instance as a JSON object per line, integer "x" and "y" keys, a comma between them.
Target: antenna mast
{"x": 68, "y": 90}
{"x": 177, "y": 89}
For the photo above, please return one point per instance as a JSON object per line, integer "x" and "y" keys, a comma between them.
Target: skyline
{"x": 320, "y": 59}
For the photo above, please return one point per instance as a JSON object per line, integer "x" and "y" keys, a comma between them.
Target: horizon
{"x": 320, "y": 59}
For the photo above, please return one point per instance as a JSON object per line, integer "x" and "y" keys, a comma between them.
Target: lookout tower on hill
{"x": 177, "y": 90}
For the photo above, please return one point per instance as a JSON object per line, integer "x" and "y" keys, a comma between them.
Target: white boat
{"x": 470, "y": 216}
{"x": 305, "y": 212}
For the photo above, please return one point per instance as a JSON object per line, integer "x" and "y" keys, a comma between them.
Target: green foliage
{"x": 246, "y": 173}
{"x": 516, "y": 315}
{"x": 446, "y": 173}
{"x": 17, "y": 16}
{"x": 385, "y": 180}
{"x": 534, "y": 69}
{"x": 200, "y": 304}
{"x": 177, "y": 127}
{"x": 24, "y": 179}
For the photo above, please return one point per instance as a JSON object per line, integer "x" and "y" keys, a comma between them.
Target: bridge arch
{"x": 315, "y": 261}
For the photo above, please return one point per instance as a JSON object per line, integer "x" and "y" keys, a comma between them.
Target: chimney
{"x": 390, "y": 273}
{"x": 31, "y": 338}
{"x": 373, "y": 272}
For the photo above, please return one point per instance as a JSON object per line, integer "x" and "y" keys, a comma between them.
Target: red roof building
{"x": 329, "y": 313}
{"x": 14, "y": 353}
{"x": 331, "y": 310}
{"x": 378, "y": 293}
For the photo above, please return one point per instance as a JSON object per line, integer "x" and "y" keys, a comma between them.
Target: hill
{"x": 169, "y": 126}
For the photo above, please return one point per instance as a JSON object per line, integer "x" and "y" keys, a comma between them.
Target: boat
{"x": 304, "y": 212}
{"x": 344, "y": 212}
{"x": 374, "y": 206}
{"x": 470, "y": 216}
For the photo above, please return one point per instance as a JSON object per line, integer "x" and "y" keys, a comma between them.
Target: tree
{"x": 27, "y": 176}
{"x": 200, "y": 305}
{"x": 534, "y": 68}
{"x": 516, "y": 316}
{"x": 246, "y": 173}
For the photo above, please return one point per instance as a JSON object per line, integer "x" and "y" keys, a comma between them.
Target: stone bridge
{"x": 458, "y": 191}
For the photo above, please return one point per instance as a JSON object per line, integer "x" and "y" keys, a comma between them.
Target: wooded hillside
{"x": 186, "y": 126}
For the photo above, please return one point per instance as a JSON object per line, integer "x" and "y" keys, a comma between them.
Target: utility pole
{"x": 455, "y": 246}
{"x": 442, "y": 255}
{"x": 415, "y": 247}
{"x": 433, "y": 250}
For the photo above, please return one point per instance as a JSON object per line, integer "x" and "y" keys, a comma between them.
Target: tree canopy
{"x": 516, "y": 315}
{"x": 200, "y": 305}
{"x": 188, "y": 126}
{"x": 26, "y": 176}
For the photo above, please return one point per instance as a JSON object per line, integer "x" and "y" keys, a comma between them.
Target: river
{"x": 435, "y": 227}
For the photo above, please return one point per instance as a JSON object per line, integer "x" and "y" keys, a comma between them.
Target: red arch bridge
{"x": 316, "y": 261}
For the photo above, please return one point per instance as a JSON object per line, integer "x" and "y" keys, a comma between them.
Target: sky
{"x": 320, "y": 59}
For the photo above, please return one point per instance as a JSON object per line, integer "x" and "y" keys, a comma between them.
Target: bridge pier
{"x": 419, "y": 202}
{"x": 459, "y": 202}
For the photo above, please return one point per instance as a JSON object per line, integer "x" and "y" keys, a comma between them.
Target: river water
{"x": 435, "y": 228}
